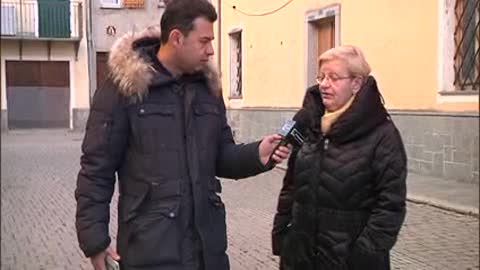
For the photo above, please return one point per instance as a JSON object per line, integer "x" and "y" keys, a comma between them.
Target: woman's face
{"x": 337, "y": 85}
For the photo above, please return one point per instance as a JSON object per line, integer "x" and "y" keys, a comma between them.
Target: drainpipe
{"x": 219, "y": 36}
{"x": 90, "y": 52}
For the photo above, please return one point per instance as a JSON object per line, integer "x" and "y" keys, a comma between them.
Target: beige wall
{"x": 60, "y": 51}
{"x": 400, "y": 40}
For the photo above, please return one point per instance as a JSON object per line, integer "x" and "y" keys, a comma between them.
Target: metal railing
{"x": 30, "y": 19}
{"x": 467, "y": 44}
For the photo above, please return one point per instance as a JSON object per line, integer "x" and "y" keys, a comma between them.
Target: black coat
{"x": 167, "y": 147}
{"x": 343, "y": 199}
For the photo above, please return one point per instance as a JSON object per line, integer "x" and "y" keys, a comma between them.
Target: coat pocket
{"x": 149, "y": 232}
{"x": 218, "y": 227}
{"x": 359, "y": 260}
{"x": 207, "y": 122}
{"x": 143, "y": 197}
{"x": 132, "y": 196}
{"x": 98, "y": 133}
{"x": 156, "y": 127}
{"x": 154, "y": 237}
{"x": 297, "y": 251}
{"x": 281, "y": 227}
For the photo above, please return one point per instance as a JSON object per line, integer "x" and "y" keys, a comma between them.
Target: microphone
{"x": 292, "y": 132}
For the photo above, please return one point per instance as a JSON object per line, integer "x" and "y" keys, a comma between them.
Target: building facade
{"x": 43, "y": 63}
{"x": 424, "y": 55}
{"x": 54, "y": 56}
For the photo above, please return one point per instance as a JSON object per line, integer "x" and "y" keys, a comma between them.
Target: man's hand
{"x": 98, "y": 260}
{"x": 266, "y": 148}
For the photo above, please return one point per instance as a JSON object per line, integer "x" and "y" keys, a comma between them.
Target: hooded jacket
{"x": 342, "y": 203}
{"x": 166, "y": 139}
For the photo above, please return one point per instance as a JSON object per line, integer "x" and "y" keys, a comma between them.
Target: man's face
{"x": 196, "y": 48}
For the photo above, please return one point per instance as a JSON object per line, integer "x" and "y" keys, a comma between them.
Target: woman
{"x": 343, "y": 198}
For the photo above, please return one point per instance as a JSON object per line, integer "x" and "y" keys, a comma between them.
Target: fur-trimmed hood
{"x": 133, "y": 72}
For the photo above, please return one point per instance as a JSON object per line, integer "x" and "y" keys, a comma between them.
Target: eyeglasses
{"x": 332, "y": 78}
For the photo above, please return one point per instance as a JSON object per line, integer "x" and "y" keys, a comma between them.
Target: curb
{"x": 444, "y": 205}
{"x": 440, "y": 204}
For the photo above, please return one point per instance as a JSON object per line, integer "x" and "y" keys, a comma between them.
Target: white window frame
{"x": 446, "y": 52}
{"x": 233, "y": 31}
{"x": 119, "y": 4}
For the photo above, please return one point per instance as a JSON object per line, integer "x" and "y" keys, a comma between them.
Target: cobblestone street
{"x": 38, "y": 175}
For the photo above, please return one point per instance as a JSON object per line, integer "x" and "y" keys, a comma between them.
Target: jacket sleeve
{"x": 388, "y": 214}
{"x": 102, "y": 152}
{"x": 283, "y": 216}
{"x": 237, "y": 160}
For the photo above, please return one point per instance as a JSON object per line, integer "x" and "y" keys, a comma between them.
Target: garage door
{"x": 38, "y": 94}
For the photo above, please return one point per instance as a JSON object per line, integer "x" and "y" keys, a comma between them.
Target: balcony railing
{"x": 43, "y": 20}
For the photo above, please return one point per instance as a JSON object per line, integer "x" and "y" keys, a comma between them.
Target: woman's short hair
{"x": 352, "y": 56}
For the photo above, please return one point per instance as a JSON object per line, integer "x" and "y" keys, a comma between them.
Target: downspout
{"x": 91, "y": 53}
{"x": 219, "y": 36}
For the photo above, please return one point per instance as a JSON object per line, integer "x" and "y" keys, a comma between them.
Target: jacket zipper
{"x": 326, "y": 142}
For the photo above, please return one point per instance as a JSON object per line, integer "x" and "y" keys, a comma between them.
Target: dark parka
{"x": 166, "y": 148}
{"x": 343, "y": 197}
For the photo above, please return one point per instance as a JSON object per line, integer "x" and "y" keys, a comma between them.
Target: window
{"x": 122, "y": 3}
{"x": 235, "y": 64}
{"x": 111, "y": 3}
{"x": 467, "y": 49}
{"x": 459, "y": 59}
{"x": 133, "y": 3}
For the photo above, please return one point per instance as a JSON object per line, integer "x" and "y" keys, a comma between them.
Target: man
{"x": 159, "y": 123}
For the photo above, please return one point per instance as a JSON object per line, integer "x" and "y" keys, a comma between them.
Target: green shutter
{"x": 54, "y": 18}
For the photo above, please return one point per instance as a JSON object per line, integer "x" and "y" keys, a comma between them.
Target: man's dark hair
{"x": 180, "y": 14}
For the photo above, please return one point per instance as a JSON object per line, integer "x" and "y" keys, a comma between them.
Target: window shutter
{"x": 133, "y": 3}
